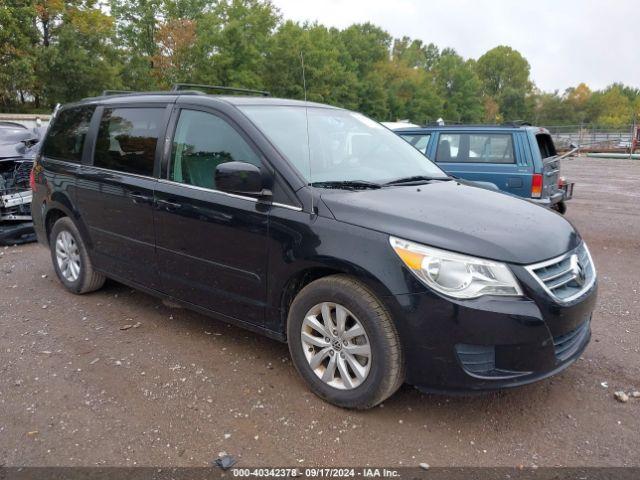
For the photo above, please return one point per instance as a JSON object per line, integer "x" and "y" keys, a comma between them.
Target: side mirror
{"x": 241, "y": 178}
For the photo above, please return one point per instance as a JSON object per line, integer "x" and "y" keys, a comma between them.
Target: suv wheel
{"x": 560, "y": 207}
{"x": 70, "y": 259}
{"x": 344, "y": 343}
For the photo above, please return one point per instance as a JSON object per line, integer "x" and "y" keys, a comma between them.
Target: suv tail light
{"x": 536, "y": 186}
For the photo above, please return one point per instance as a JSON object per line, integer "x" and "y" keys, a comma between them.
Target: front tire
{"x": 71, "y": 260}
{"x": 344, "y": 344}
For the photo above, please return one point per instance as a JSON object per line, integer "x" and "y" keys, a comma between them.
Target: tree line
{"x": 54, "y": 51}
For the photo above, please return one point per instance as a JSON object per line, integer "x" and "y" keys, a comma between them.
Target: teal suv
{"x": 516, "y": 159}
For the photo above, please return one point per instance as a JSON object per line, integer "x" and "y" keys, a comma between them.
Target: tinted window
{"x": 65, "y": 139}
{"x": 547, "y": 148}
{"x": 127, "y": 139}
{"x": 202, "y": 142}
{"x": 419, "y": 141}
{"x": 475, "y": 148}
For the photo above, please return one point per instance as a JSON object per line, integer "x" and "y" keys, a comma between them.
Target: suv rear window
{"x": 65, "y": 139}
{"x": 546, "y": 146}
{"x": 127, "y": 139}
{"x": 475, "y": 148}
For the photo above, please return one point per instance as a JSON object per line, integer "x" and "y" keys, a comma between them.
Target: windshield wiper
{"x": 416, "y": 179}
{"x": 348, "y": 184}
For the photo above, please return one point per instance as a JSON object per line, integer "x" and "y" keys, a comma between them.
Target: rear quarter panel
{"x": 55, "y": 190}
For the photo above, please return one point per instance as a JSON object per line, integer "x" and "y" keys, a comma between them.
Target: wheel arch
{"x": 58, "y": 208}
{"x": 303, "y": 277}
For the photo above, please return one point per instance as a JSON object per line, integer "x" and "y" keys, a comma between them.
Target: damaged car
{"x": 18, "y": 147}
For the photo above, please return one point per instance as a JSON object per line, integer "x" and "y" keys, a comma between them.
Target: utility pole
{"x": 635, "y": 134}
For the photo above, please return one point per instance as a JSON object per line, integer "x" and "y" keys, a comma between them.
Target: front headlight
{"x": 454, "y": 274}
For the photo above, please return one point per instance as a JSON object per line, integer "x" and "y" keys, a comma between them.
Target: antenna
{"x": 306, "y": 114}
{"x": 304, "y": 78}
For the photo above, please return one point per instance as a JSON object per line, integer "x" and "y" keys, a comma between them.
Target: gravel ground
{"x": 177, "y": 388}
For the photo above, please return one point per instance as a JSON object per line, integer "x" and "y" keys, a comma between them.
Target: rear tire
{"x": 560, "y": 207}
{"x": 71, "y": 260}
{"x": 353, "y": 359}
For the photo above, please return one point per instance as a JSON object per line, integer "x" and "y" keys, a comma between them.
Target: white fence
{"x": 592, "y": 136}
{"x": 26, "y": 119}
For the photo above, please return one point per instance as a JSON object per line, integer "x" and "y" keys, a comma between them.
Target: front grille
{"x": 566, "y": 345}
{"x": 567, "y": 277}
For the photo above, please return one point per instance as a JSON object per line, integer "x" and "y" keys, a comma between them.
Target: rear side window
{"x": 127, "y": 139}
{"x": 420, "y": 141}
{"x": 202, "y": 142}
{"x": 475, "y": 148}
{"x": 65, "y": 139}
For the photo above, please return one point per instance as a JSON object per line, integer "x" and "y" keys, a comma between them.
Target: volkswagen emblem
{"x": 576, "y": 270}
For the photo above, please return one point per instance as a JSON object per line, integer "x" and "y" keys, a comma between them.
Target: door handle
{"x": 168, "y": 204}
{"x": 139, "y": 198}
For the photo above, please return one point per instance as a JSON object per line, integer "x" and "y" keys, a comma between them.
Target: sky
{"x": 565, "y": 41}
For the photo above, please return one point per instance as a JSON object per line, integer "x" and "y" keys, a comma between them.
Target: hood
{"x": 12, "y": 150}
{"x": 18, "y": 150}
{"x": 16, "y": 142}
{"x": 460, "y": 218}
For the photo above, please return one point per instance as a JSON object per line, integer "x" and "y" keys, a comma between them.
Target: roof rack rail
{"x": 106, "y": 93}
{"x": 182, "y": 86}
{"x": 518, "y": 123}
{"x": 462, "y": 124}
{"x": 514, "y": 124}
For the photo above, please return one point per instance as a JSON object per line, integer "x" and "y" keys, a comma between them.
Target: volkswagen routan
{"x": 318, "y": 227}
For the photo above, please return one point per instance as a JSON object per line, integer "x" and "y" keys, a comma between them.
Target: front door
{"x": 211, "y": 246}
{"x": 115, "y": 193}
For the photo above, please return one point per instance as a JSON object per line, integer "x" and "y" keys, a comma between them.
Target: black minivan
{"x": 316, "y": 226}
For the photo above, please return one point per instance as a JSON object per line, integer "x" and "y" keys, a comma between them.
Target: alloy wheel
{"x": 68, "y": 256}
{"x": 336, "y": 346}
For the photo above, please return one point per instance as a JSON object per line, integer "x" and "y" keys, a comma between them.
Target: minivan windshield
{"x": 342, "y": 146}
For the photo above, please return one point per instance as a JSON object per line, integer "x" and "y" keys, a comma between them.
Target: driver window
{"x": 203, "y": 141}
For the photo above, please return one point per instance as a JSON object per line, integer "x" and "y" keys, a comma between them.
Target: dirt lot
{"x": 177, "y": 388}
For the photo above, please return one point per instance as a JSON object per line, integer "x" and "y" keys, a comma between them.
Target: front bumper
{"x": 16, "y": 233}
{"x": 491, "y": 342}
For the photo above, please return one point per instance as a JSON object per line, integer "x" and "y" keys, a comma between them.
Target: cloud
{"x": 566, "y": 42}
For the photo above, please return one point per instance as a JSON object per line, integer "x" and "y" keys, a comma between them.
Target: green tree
{"x": 57, "y": 51}
{"x": 411, "y": 93}
{"x": 576, "y": 99}
{"x": 414, "y": 53}
{"x": 612, "y": 107}
{"x": 328, "y": 79}
{"x": 460, "y": 88}
{"x": 373, "y": 97}
{"x": 366, "y": 46}
{"x": 137, "y": 24}
{"x": 504, "y": 73}
{"x": 551, "y": 109}
{"x": 77, "y": 58}
{"x": 233, "y": 42}
{"x": 18, "y": 39}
